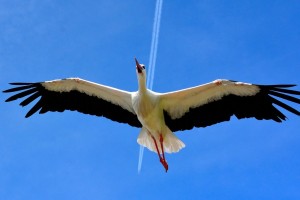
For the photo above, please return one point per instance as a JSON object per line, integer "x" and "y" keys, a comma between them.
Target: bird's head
{"x": 140, "y": 68}
{"x": 141, "y": 75}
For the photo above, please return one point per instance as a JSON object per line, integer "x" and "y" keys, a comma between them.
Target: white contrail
{"x": 154, "y": 43}
{"x": 152, "y": 61}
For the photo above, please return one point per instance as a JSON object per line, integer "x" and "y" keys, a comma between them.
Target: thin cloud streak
{"x": 152, "y": 61}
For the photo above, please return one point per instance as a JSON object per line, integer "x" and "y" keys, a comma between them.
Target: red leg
{"x": 161, "y": 159}
{"x": 165, "y": 164}
{"x": 161, "y": 140}
{"x": 158, "y": 153}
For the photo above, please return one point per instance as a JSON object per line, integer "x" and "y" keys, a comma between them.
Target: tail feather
{"x": 145, "y": 140}
{"x": 171, "y": 143}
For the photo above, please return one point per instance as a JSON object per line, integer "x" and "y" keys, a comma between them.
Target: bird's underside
{"x": 159, "y": 114}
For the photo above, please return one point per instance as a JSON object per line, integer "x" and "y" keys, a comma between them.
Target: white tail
{"x": 172, "y": 144}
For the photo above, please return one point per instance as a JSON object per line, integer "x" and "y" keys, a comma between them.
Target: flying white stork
{"x": 159, "y": 114}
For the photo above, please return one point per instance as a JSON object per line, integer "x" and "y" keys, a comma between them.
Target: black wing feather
{"x": 30, "y": 99}
{"x": 286, "y": 91}
{"x": 259, "y": 106}
{"x": 73, "y": 100}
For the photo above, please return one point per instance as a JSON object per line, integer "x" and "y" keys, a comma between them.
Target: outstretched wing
{"x": 77, "y": 94}
{"x": 217, "y": 101}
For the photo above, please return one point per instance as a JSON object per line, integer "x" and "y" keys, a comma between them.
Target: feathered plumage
{"x": 159, "y": 114}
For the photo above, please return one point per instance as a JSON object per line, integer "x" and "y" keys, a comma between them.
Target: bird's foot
{"x": 164, "y": 163}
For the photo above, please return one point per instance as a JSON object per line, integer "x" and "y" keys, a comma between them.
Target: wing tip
{"x": 9, "y": 99}
{"x": 277, "y": 86}
{"x": 22, "y": 83}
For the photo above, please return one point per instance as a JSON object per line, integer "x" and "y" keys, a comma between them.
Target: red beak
{"x": 138, "y": 66}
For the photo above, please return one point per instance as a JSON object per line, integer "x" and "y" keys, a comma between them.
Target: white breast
{"x": 146, "y": 106}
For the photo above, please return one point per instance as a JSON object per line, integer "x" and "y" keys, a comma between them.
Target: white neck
{"x": 142, "y": 82}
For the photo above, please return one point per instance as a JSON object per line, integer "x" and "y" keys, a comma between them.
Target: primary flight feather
{"x": 159, "y": 114}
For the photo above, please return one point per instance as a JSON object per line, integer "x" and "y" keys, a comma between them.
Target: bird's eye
{"x": 143, "y": 67}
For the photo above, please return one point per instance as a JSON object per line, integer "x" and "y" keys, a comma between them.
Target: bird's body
{"x": 147, "y": 106}
{"x": 148, "y": 112}
{"x": 159, "y": 114}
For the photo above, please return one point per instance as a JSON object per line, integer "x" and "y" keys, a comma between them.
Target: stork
{"x": 159, "y": 114}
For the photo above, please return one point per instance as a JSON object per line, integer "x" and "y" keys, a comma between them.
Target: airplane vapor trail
{"x": 152, "y": 61}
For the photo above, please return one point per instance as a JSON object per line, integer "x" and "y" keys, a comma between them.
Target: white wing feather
{"x": 179, "y": 102}
{"x": 113, "y": 95}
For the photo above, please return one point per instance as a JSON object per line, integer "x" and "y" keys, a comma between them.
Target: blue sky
{"x": 75, "y": 156}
